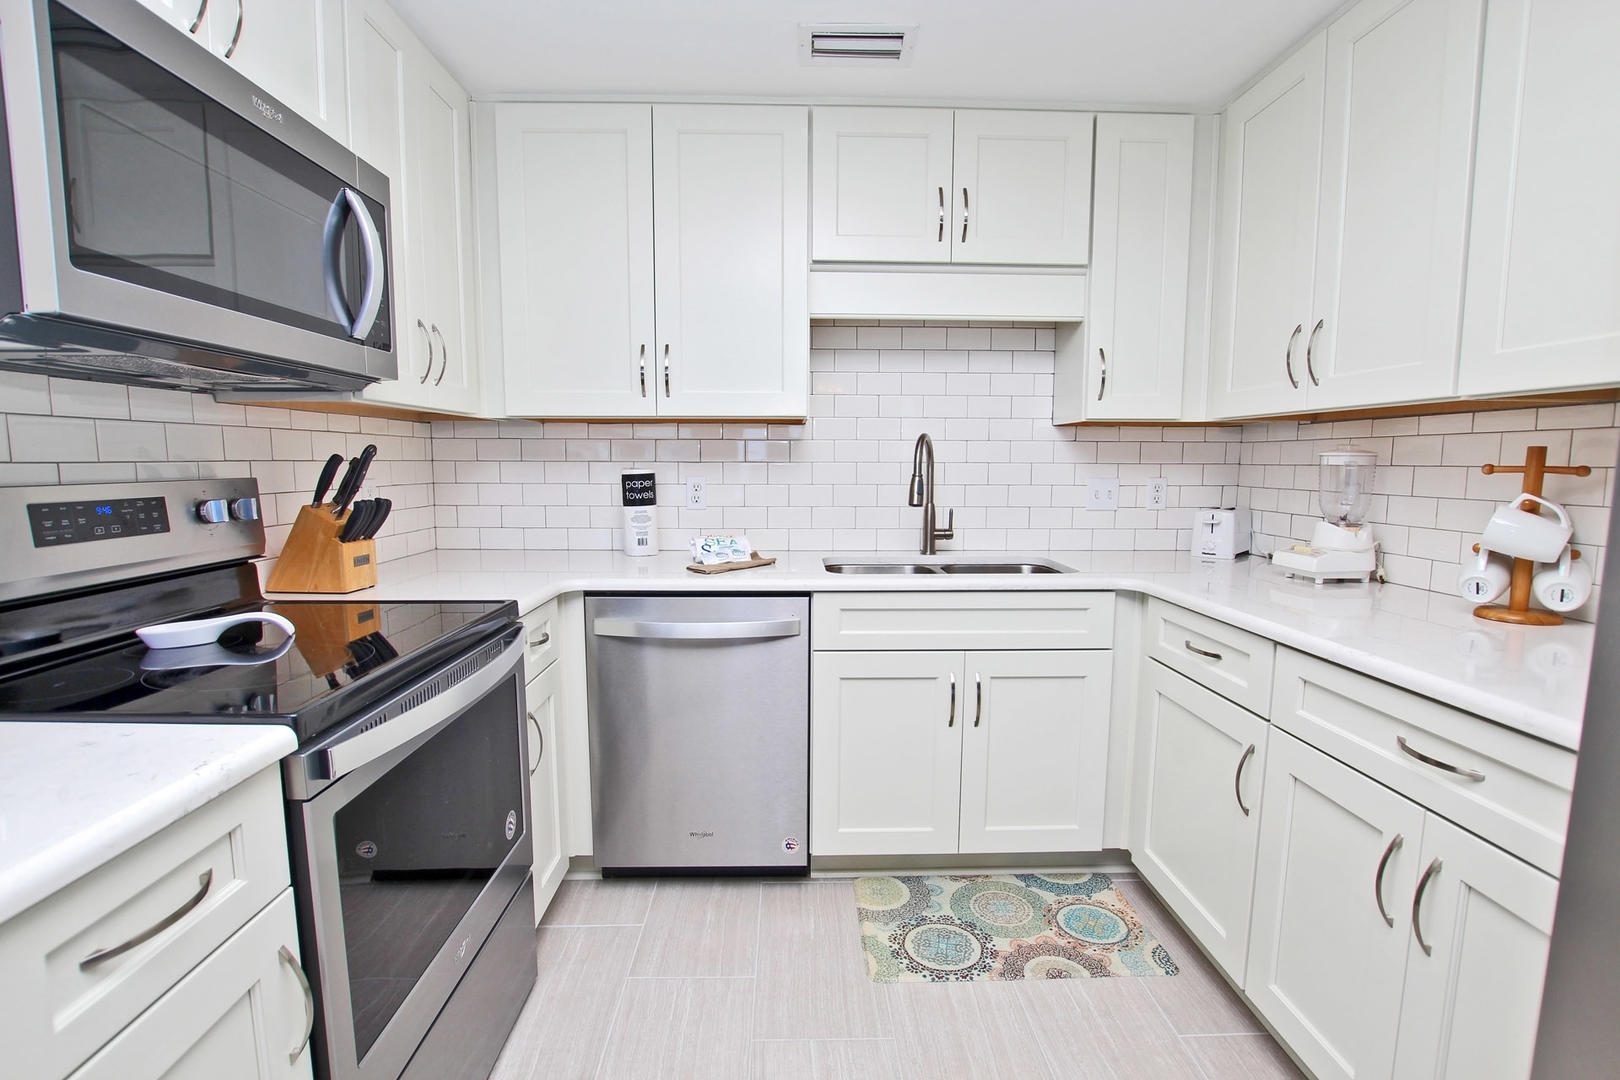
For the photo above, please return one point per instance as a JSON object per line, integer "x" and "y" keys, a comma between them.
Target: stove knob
{"x": 214, "y": 511}
{"x": 246, "y": 509}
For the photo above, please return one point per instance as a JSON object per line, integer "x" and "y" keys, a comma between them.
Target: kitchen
{"x": 970, "y": 348}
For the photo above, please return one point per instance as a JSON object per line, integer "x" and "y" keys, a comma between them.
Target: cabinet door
{"x": 1034, "y": 750}
{"x": 1022, "y": 187}
{"x": 1337, "y": 851}
{"x": 378, "y": 48}
{"x": 544, "y": 701}
{"x": 437, "y": 162}
{"x": 574, "y": 199}
{"x": 1471, "y": 1005}
{"x": 239, "y": 1014}
{"x": 885, "y": 752}
{"x": 1390, "y": 239}
{"x": 1269, "y": 162}
{"x": 1141, "y": 233}
{"x": 881, "y": 185}
{"x": 1202, "y": 762}
{"x": 188, "y": 15}
{"x": 733, "y": 269}
{"x": 1544, "y": 242}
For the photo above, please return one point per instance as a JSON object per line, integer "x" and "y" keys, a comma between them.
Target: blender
{"x": 1342, "y": 548}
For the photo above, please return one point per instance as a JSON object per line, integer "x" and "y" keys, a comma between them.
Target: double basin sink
{"x": 975, "y": 566}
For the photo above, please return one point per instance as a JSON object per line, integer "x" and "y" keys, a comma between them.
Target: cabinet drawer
{"x": 1018, "y": 620}
{"x": 1504, "y": 786}
{"x": 541, "y": 638}
{"x": 1234, "y": 663}
{"x": 56, "y": 1010}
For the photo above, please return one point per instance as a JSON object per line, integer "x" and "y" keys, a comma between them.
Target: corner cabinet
{"x": 1345, "y": 179}
{"x": 1544, "y": 244}
{"x": 409, "y": 118}
{"x": 653, "y": 260}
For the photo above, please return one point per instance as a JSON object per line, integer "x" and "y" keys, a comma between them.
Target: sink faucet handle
{"x": 949, "y": 531}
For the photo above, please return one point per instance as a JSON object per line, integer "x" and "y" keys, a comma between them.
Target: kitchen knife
{"x": 328, "y": 474}
{"x": 380, "y": 509}
{"x": 361, "y": 465}
{"x": 346, "y": 488}
{"x": 354, "y": 528}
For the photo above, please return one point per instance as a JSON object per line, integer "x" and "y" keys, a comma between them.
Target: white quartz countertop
{"x": 73, "y": 796}
{"x": 1532, "y": 679}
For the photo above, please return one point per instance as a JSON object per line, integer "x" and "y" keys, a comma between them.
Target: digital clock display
{"x": 54, "y": 524}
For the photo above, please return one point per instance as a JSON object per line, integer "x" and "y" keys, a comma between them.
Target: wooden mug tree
{"x": 1518, "y": 610}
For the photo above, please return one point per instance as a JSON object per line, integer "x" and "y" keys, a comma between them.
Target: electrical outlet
{"x": 1102, "y": 494}
{"x": 697, "y": 493}
{"x": 1158, "y": 493}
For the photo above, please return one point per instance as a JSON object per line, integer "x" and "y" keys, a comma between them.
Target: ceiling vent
{"x": 854, "y": 45}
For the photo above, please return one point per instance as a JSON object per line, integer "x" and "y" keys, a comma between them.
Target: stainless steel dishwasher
{"x": 700, "y": 733}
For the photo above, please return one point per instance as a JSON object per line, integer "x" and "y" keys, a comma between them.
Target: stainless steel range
{"x": 407, "y": 797}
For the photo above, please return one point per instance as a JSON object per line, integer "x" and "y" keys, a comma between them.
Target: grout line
{"x": 607, "y": 1038}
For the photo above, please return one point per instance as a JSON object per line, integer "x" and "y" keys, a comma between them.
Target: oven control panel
{"x": 82, "y": 521}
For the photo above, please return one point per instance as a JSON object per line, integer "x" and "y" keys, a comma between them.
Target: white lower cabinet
{"x": 1200, "y": 808}
{"x": 544, "y": 702}
{"x": 243, "y": 1013}
{"x": 1473, "y": 995}
{"x": 925, "y": 753}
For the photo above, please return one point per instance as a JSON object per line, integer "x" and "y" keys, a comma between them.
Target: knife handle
{"x": 347, "y": 489}
{"x": 328, "y": 474}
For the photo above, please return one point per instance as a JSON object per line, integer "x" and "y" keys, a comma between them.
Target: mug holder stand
{"x": 1518, "y": 610}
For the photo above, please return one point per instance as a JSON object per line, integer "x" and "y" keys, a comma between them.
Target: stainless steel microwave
{"x": 166, "y": 222}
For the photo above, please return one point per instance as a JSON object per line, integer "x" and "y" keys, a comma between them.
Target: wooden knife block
{"x": 312, "y": 560}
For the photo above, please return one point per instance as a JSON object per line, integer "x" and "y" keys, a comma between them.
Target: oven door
{"x": 409, "y": 858}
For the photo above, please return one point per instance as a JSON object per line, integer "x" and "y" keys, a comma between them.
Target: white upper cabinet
{"x": 1543, "y": 305}
{"x": 1345, "y": 187}
{"x": 881, "y": 185}
{"x": 1142, "y": 216}
{"x": 593, "y": 324}
{"x": 1268, "y": 239}
{"x": 970, "y": 186}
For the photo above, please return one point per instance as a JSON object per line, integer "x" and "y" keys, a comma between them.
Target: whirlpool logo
{"x": 701, "y": 834}
{"x": 270, "y": 111}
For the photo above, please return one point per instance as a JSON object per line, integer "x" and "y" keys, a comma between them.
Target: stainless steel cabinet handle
{"x": 696, "y": 631}
{"x": 1310, "y": 343}
{"x": 1195, "y": 650}
{"x": 204, "y": 880}
{"x": 1443, "y": 766}
{"x": 978, "y": 699}
{"x": 1103, "y": 360}
{"x": 541, "y": 641}
{"x": 1288, "y": 355}
{"x": 1237, "y": 778}
{"x": 666, "y": 369}
{"x": 951, "y": 719}
{"x": 309, "y": 1000}
{"x": 1378, "y": 879}
{"x": 236, "y": 36}
{"x": 540, "y": 740}
{"x": 422, "y": 326}
{"x": 643, "y": 366}
{"x": 1417, "y": 902}
{"x": 964, "y": 215}
{"x": 941, "y": 237}
{"x": 444, "y": 355}
{"x": 202, "y": 9}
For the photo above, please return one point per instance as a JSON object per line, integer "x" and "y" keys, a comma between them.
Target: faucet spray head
{"x": 915, "y": 498}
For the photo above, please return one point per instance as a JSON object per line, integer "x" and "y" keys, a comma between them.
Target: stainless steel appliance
{"x": 164, "y": 221}
{"x": 407, "y": 807}
{"x": 700, "y": 733}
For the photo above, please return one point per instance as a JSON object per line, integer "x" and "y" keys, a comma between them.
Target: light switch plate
{"x": 1158, "y": 493}
{"x": 1102, "y": 494}
{"x": 697, "y": 493}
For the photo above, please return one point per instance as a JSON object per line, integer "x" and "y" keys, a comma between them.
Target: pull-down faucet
{"x": 922, "y": 494}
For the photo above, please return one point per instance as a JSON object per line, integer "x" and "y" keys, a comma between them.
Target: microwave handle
{"x": 347, "y": 203}
{"x": 331, "y": 254}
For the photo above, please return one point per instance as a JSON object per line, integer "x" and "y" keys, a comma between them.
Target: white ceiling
{"x": 1173, "y": 53}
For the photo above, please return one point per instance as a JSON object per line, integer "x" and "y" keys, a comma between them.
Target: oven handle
{"x": 363, "y": 747}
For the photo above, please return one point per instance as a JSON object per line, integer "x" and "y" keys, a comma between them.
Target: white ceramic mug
{"x": 1563, "y": 586}
{"x": 1523, "y": 535}
{"x": 1484, "y": 578}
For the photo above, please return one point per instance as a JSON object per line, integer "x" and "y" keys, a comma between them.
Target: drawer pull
{"x": 978, "y": 699}
{"x": 1205, "y": 653}
{"x": 204, "y": 880}
{"x": 1417, "y": 902}
{"x": 1443, "y": 766}
{"x": 309, "y": 1000}
{"x": 542, "y": 641}
{"x": 1378, "y": 881}
{"x": 951, "y": 721}
{"x": 540, "y": 739}
{"x": 1237, "y": 778}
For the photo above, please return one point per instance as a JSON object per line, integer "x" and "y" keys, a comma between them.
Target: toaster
{"x": 1220, "y": 534}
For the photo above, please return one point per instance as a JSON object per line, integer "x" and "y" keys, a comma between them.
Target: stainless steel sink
{"x": 976, "y": 566}
{"x": 998, "y": 568}
{"x": 879, "y": 568}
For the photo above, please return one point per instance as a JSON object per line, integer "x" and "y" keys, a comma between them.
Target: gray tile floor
{"x": 722, "y": 979}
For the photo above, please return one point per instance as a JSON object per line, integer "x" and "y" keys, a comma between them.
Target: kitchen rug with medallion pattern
{"x": 938, "y": 928}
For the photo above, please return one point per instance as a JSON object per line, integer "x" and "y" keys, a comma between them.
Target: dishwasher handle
{"x": 697, "y": 631}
